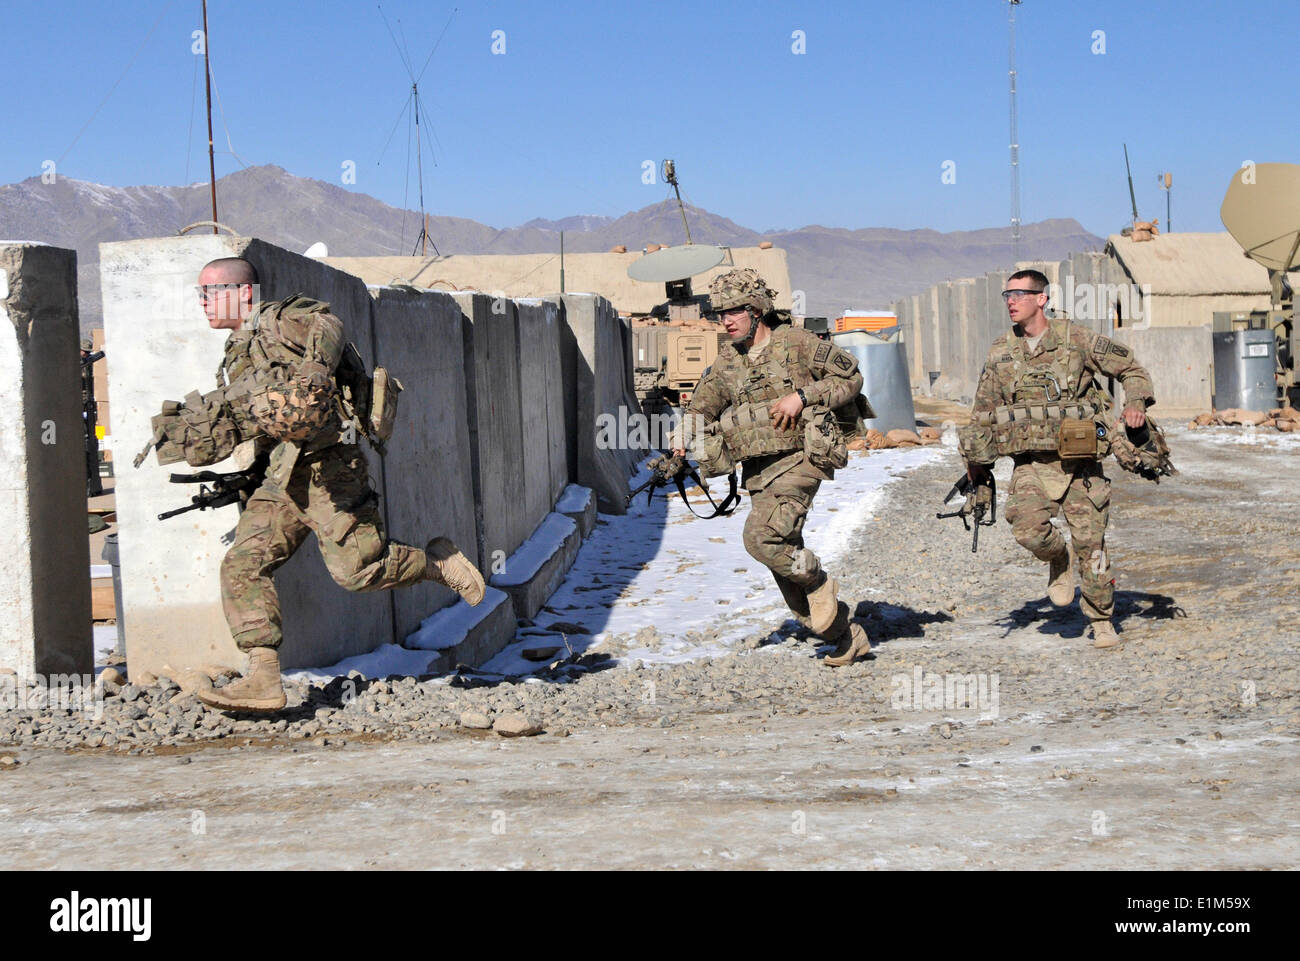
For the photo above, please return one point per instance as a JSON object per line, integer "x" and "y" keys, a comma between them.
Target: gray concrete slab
{"x": 492, "y": 390}
{"x": 45, "y": 604}
{"x": 600, "y": 383}
{"x": 429, "y": 488}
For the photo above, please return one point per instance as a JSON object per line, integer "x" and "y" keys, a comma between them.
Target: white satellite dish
{"x": 675, "y": 263}
{"x": 317, "y": 250}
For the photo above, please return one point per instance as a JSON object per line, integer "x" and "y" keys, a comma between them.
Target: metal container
{"x": 885, "y": 380}
{"x": 1245, "y": 362}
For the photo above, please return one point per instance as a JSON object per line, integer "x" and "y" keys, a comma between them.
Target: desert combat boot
{"x": 447, "y": 565}
{"x": 823, "y": 602}
{"x": 856, "y": 644}
{"x": 257, "y": 692}
{"x": 1103, "y": 634}
{"x": 1060, "y": 577}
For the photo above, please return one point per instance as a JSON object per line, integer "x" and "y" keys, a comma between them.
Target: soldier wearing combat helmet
{"x": 766, "y": 403}
{"x": 1040, "y": 400}
{"x": 277, "y": 392}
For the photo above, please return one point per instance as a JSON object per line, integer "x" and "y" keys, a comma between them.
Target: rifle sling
{"x": 725, "y": 509}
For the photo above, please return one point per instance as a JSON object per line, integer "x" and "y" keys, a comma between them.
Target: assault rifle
{"x": 673, "y": 469}
{"x": 228, "y": 488}
{"x": 981, "y": 503}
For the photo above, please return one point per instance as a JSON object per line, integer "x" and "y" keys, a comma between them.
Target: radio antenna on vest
{"x": 207, "y": 84}
{"x": 413, "y": 103}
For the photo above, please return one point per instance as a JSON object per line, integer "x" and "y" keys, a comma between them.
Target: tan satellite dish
{"x": 675, "y": 263}
{"x": 1262, "y": 212}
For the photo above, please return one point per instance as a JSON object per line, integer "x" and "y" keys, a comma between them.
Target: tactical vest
{"x": 746, "y": 426}
{"x": 1046, "y": 400}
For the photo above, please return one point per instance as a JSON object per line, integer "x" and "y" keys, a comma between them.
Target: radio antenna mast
{"x": 1015, "y": 139}
{"x": 207, "y": 84}
{"x": 414, "y": 102}
{"x": 670, "y": 175}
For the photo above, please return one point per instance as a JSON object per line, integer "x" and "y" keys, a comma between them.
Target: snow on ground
{"x": 661, "y": 567}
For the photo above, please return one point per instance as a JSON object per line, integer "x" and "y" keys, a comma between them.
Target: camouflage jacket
{"x": 1069, "y": 356}
{"x": 277, "y": 340}
{"x": 791, "y": 359}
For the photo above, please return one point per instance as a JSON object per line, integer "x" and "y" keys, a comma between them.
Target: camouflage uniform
{"x": 315, "y": 485}
{"x": 781, "y": 485}
{"x": 1042, "y": 483}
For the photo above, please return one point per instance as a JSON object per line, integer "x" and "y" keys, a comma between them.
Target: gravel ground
{"x": 1199, "y": 705}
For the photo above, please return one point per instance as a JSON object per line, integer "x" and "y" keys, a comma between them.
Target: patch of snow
{"x": 541, "y": 545}
{"x": 450, "y": 625}
{"x": 573, "y": 499}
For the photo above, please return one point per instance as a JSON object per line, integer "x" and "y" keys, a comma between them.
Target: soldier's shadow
{"x": 1069, "y": 621}
{"x": 883, "y": 622}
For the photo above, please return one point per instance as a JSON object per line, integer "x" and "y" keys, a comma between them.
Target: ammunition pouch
{"x": 747, "y": 432}
{"x": 383, "y": 405}
{"x": 368, "y": 400}
{"x": 823, "y": 440}
{"x": 1077, "y": 439}
{"x": 1024, "y": 428}
{"x": 710, "y": 452}
{"x": 199, "y": 431}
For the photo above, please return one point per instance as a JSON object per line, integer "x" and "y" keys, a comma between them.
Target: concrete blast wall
{"x": 1181, "y": 363}
{"x": 428, "y": 486}
{"x": 497, "y": 417}
{"x": 602, "y": 385}
{"x": 45, "y": 615}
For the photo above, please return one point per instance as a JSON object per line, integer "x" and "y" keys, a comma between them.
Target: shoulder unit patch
{"x": 843, "y": 361}
{"x": 1101, "y": 346}
{"x": 821, "y": 353}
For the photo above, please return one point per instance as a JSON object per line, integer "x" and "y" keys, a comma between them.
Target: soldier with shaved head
{"x": 278, "y": 393}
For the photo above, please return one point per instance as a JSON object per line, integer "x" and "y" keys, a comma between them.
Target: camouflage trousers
{"x": 1041, "y": 487}
{"x": 774, "y": 536}
{"x": 330, "y": 495}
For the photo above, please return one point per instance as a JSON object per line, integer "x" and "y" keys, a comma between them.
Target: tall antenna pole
{"x": 1015, "y": 139}
{"x": 207, "y": 84}
{"x": 419, "y": 166}
{"x": 670, "y": 174}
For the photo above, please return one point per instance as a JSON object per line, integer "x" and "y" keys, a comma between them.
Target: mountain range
{"x": 836, "y": 267}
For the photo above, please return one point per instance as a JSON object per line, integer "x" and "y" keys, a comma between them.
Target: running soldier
{"x": 767, "y": 403}
{"x": 1041, "y": 401}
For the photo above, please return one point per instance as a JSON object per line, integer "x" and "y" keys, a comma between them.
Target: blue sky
{"x": 852, "y": 133}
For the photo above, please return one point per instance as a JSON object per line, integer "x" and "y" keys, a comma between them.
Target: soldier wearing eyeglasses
{"x": 1041, "y": 401}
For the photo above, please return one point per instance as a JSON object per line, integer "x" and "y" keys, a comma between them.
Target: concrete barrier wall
{"x": 428, "y": 484}
{"x": 497, "y": 418}
{"x": 45, "y": 625}
{"x": 1181, "y": 363}
{"x": 953, "y": 324}
{"x": 495, "y": 422}
{"x": 162, "y": 349}
{"x": 601, "y": 386}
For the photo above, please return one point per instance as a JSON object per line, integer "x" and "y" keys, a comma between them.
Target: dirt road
{"x": 986, "y": 731}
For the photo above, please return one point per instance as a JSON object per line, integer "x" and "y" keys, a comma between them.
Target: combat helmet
{"x": 742, "y": 288}
{"x": 1143, "y": 451}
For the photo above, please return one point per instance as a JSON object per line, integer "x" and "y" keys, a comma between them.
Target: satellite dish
{"x": 1263, "y": 213}
{"x": 675, "y": 263}
{"x": 318, "y": 249}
